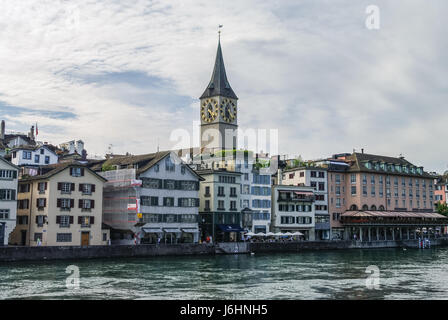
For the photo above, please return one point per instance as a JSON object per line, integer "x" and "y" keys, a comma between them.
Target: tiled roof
{"x": 52, "y": 169}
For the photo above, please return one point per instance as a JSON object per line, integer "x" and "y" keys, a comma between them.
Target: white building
{"x": 33, "y": 156}
{"x": 150, "y": 196}
{"x": 8, "y": 199}
{"x": 315, "y": 177}
{"x": 293, "y": 210}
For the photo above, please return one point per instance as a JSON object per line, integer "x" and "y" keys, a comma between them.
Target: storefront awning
{"x": 152, "y": 230}
{"x": 190, "y": 230}
{"x": 172, "y": 230}
{"x": 230, "y": 228}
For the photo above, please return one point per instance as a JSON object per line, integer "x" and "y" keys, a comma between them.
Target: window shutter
{"x": 80, "y": 187}
{"x": 59, "y": 185}
{"x": 71, "y": 171}
{"x": 82, "y": 172}
{"x": 73, "y": 187}
{"x": 80, "y": 203}
{"x": 92, "y": 204}
{"x": 37, "y": 220}
{"x": 13, "y": 194}
{"x": 58, "y": 219}
{"x": 46, "y": 185}
{"x": 179, "y": 202}
{"x": 58, "y": 203}
{"x": 79, "y": 218}
{"x": 14, "y": 174}
{"x": 72, "y": 203}
{"x": 93, "y": 188}
{"x": 92, "y": 220}
{"x": 45, "y": 202}
{"x": 71, "y": 219}
{"x": 37, "y": 203}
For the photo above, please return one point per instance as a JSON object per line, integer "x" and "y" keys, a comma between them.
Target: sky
{"x": 124, "y": 75}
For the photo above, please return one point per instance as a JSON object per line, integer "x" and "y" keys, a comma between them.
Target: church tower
{"x": 218, "y": 111}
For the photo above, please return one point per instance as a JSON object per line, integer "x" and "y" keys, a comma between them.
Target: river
{"x": 404, "y": 274}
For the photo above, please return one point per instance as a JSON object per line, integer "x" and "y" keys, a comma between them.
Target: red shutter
{"x": 92, "y": 220}
{"x": 58, "y": 219}
{"x": 71, "y": 219}
{"x": 58, "y": 203}
{"x": 72, "y": 203}
{"x": 80, "y": 187}
{"x": 59, "y": 185}
{"x": 93, "y": 188}
{"x": 73, "y": 187}
{"x": 80, "y": 203}
{"x": 79, "y": 220}
{"x": 92, "y": 204}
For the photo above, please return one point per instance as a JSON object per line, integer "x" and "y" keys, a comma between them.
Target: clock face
{"x": 228, "y": 110}
{"x": 209, "y": 110}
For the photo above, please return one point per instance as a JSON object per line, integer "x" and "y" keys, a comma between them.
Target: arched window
{"x": 353, "y": 207}
{"x": 373, "y": 207}
{"x": 365, "y": 207}
{"x": 381, "y": 208}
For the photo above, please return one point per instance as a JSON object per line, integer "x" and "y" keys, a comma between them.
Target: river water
{"x": 404, "y": 274}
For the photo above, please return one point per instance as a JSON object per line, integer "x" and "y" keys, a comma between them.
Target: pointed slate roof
{"x": 219, "y": 85}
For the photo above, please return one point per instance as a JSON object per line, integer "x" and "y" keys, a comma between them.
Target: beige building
{"x": 60, "y": 207}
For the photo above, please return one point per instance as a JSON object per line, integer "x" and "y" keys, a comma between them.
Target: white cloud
{"x": 309, "y": 68}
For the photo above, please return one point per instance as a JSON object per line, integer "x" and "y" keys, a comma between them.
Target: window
{"x": 42, "y": 151}
{"x": 221, "y": 192}
{"x": 207, "y": 191}
{"x": 338, "y": 179}
{"x": 86, "y": 204}
{"x": 24, "y": 188}
{"x": 233, "y": 205}
{"x": 182, "y": 169}
{"x": 207, "y": 205}
{"x": 321, "y": 186}
{"x": 4, "y": 213}
{"x": 188, "y": 202}
{"x": 149, "y": 201}
{"x": 227, "y": 179}
{"x": 233, "y": 192}
{"x": 64, "y": 237}
{"x": 86, "y": 188}
{"x": 66, "y": 187}
{"x": 321, "y": 174}
{"x": 188, "y": 185}
{"x": 23, "y": 204}
{"x": 372, "y": 191}
{"x": 168, "y": 201}
{"x": 77, "y": 172}
{"x": 170, "y": 184}
{"x": 156, "y": 168}
{"x": 151, "y": 183}
{"x": 169, "y": 165}
{"x": 246, "y": 177}
{"x": 64, "y": 221}
{"x": 313, "y": 174}
{"x": 22, "y": 220}
{"x": 8, "y": 174}
{"x": 26, "y": 155}
{"x": 47, "y": 160}
{"x": 40, "y": 221}
{"x": 221, "y": 205}
{"x": 353, "y": 178}
{"x": 36, "y": 158}
{"x": 65, "y": 204}
{"x": 364, "y": 179}
{"x": 7, "y": 194}
{"x": 364, "y": 191}
{"x": 42, "y": 186}
{"x": 338, "y": 190}
{"x": 37, "y": 236}
{"x": 85, "y": 221}
{"x": 353, "y": 190}
{"x": 41, "y": 203}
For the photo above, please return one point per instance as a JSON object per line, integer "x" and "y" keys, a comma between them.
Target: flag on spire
{"x": 37, "y": 131}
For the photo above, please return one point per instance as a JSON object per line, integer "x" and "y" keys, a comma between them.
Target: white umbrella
{"x": 278, "y": 234}
{"x": 288, "y": 234}
{"x": 297, "y": 233}
{"x": 250, "y": 234}
{"x": 260, "y": 234}
{"x": 270, "y": 234}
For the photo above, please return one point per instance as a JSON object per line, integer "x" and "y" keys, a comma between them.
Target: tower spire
{"x": 219, "y": 85}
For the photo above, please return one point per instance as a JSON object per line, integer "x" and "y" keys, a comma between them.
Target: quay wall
{"x": 19, "y": 253}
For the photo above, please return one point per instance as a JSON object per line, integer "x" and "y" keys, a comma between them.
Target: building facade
{"x": 293, "y": 210}
{"x": 60, "y": 207}
{"x": 8, "y": 199}
{"x": 441, "y": 190}
{"x": 150, "y": 197}
{"x": 33, "y": 156}
{"x": 316, "y": 178}
{"x": 220, "y": 213}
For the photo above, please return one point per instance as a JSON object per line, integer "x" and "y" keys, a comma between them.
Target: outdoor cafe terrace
{"x": 393, "y": 218}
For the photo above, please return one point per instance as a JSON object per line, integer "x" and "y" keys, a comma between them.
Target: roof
{"x": 33, "y": 148}
{"x": 53, "y": 169}
{"x": 358, "y": 160}
{"x": 305, "y": 168}
{"x": 9, "y": 163}
{"x": 141, "y": 162}
{"x": 219, "y": 85}
{"x": 394, "y": 214}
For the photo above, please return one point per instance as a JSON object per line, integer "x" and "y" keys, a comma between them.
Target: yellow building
{"x": 62, "y": 206}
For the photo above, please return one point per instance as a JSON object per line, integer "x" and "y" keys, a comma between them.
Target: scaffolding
{"x": 121, "y": 204}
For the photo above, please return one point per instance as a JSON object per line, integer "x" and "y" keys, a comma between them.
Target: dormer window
{"x": 368, "y": 165}
{"x": 77, "y": 172}
{"x": 397, "y": 168}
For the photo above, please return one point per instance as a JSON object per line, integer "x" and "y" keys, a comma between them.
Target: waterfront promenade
{"x": 16, "y": 253}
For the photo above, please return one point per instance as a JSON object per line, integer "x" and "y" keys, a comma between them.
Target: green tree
{"x": 442, "y": 208}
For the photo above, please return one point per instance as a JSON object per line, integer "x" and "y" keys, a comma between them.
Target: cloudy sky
{"x": 128, "y": 73}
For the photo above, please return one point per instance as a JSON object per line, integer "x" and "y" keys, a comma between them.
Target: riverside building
{"x": 8, "y": 199}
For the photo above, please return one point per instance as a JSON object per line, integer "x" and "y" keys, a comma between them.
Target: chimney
{"x": 79, "y": 146}
{"x": 31, "y": 135}
{"x": 362, "y": 150}
{"x": 2, "y": 130}
{"x": 71, "y": 147}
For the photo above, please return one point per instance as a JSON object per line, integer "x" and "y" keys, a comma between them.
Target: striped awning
{"x": 394, "y": 214}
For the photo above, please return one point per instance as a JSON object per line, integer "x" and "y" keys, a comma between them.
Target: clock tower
{"x": 218, "y": 111}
